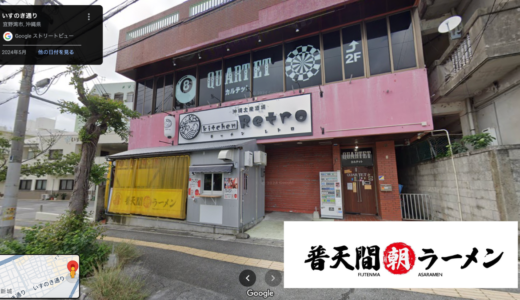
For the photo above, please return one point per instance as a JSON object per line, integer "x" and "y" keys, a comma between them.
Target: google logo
{"x": 8, "y": 36}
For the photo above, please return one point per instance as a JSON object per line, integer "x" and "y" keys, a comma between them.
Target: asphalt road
{"x": 176, "y": 275}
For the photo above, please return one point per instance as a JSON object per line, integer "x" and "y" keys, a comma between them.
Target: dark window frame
{"x": 66, "y": 182}
{"x": 52, "y": 151}
{"x": 25, "y": 185}
{"x": 213, "y": 191}
{"x": 366, "y": 62}
{"x": 41, "y": 185}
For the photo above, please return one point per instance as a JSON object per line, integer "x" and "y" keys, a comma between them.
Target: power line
{"x": 479, "y": 35}
{"x": 9, "y": 99}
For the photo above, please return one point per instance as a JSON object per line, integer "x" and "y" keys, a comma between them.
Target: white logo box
{"x": 445, "y": 238}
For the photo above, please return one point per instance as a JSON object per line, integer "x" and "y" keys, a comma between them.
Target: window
{"x": 31, "y": 154}
{"x": 268, "y": 71}
{"x": 119, "y": 96}
{"x": 378, "y": 49}
{"x": 55, "y": 154}
{"x": 332, "y": 57}
{"x": 159, "y": 94}
{"x": 401, "y": 34}
{"x": 186, "y": 88}
{"x": 302, "y": 63}
{"x": 237, "y": 77}
{"x": 106, "y": 96}
{"x": 25, "y": 185}
{"x": 168, "y": 93}
{"x": 210, "y": 83}
{"x": 130, "y": 97}
{"x": 148, "y": 97}
{"x": 140, "y": 98}
{"x": 104, "y": 153}
{"x": 353, "y": 51}
{"x": 41, "y": 185}
{"x": 212, "y": 184}
{"x": 66, "y": 184}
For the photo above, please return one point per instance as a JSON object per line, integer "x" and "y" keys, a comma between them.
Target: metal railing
{"x": 153, "y": 26}
{"x": 460, "y": 57}
{"x": 206, "y": 5}
{"x": 416, "y": 207}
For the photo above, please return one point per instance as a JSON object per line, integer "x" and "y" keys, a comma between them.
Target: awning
{"x": 221, "y": 168}
{"x": 179, "y": 149}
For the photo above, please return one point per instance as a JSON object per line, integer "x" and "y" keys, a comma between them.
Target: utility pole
{"x": 15, "y": 159}
{"x": 14, "y": 168}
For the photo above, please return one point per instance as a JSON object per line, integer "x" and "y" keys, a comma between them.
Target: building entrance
{"x": 358, "y": 182}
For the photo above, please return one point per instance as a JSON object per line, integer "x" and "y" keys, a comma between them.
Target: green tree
{"x": 64, "y": 165}
{"x": 4, "y": 156}
{"x": 99, "y": 115}
{"x": 45, "y": 142}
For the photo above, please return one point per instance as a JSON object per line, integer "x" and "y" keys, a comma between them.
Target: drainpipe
{"x": 454, "y": 169}
{"x": 469, "y": 112}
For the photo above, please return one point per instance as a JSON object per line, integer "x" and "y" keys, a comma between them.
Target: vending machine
{"x": 331, "y": 195}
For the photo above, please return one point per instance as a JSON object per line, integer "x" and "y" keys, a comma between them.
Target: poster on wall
{"x": 230, "y": 188}
{"x": 193, "y": 188}
{"x": 330, "y": 193}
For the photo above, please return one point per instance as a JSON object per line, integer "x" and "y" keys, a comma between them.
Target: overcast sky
{"x": 62, "y": 90}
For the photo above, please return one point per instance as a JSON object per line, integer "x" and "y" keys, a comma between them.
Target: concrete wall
{"x": 502, "y": 114}
{"x": 489, "y": 184}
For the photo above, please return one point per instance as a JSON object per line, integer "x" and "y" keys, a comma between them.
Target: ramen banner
{"x": 148, "y": 202}
{"x": 150, "y": 187}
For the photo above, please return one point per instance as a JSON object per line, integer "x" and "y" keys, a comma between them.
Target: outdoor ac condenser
{"x": 260, "y": 158}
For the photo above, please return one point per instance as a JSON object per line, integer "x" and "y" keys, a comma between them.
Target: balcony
{"x": 478, "y": 59}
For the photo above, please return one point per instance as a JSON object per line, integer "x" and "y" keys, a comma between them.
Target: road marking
{"x": 274, "y": 265}
{"x": 240, "y": 260}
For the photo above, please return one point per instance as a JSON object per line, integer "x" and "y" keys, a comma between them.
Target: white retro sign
{"x": 282, "y": 117}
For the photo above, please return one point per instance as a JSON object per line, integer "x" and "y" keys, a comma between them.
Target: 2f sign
{"x": 352, "y": 56}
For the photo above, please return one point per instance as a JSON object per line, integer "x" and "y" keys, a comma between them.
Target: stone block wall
{"x": 488, "y": 181}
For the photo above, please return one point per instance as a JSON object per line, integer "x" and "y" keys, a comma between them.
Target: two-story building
{"x": 320, "y": 86}
{"x": 56, "y": 144}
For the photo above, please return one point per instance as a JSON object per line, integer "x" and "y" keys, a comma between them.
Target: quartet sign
{"x": 290, "y": 116}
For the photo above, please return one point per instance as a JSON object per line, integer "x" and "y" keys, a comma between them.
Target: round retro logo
{"x": 8, "y": 36}
{"x": 186, "y": 89}
{"x": 189, "y": 127}
{"x": 302, "y": 63}
{"x": 398, "y": 258}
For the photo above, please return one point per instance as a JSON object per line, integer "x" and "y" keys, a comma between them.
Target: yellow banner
{"x": 168, "y": 203}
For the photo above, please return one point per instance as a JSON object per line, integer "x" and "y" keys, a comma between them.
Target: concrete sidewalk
{"x": 271, "y": 227}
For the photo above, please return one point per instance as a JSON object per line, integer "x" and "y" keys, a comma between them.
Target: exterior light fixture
{"x": 297, "y": 30}
{"x": 200, "y": 56}
{"x": 259, "y": 40}
{"x": 173, "y": 61}
{"x": 227, "y": 48}
{"x": 299, "y": 143}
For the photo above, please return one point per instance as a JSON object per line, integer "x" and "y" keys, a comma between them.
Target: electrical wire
{"x": 479, "y": 35}
{"x": 9, "y": 99}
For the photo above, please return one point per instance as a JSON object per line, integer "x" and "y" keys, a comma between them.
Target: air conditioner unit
{"x": 260, "y": 158}
{"x": 45, "y": 197}
{"x": 248, "y": 159}
{"x": 492, "y": 132}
